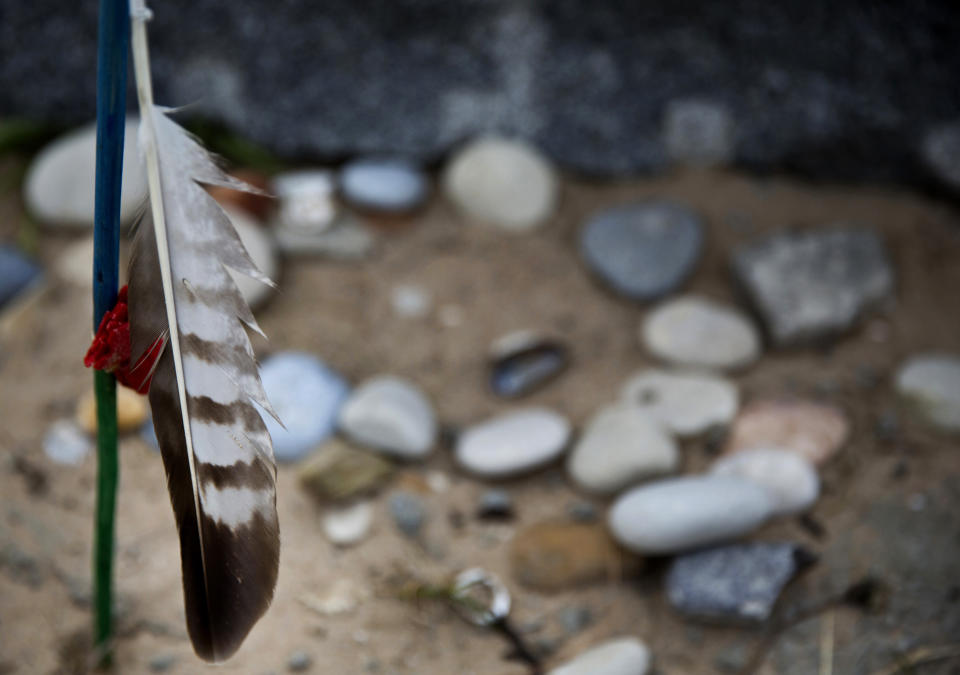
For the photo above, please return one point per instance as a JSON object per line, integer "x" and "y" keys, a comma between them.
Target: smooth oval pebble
{"x": 623, "y": 656}
{"x": 790, "y": 478}
{"x": 680, "y": 514}
{"x": 698, "y": 333}
{"x": 59, "y": 186}
{"x": 307, "y": 396}
{"x": 263, "y": 253}
{"x": 932, "y": 383}
{"x": 685, "y": 403}
{"x": 502, "y": 182}
{"x": 513, "y": 443}
{"x": 388, "y": 185}
{"x": 348, "y": 526}
{"x": 643, "y": 251}
{"x": 620, "y": 446}
{"x": 392, "y": 415}
{"x": 813, "y": 430}
{"x": 66, "y": 443}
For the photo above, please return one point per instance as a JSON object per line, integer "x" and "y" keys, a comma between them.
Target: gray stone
{"x": 299, "y": 662}
{"x": 645, "y": 250}
{"x": 738, "y": 583}
{"x": 513, "y": 443}
{"x": 161, "y": 663}
{"x": 408, "y": 511}
{"x": 812, "y": 285}
{"x": 17, "y": 274}
{"x": 66, "y": 443}
{"x": 391, "y": 415}
{"x": 524, "y": 361}
{"x": 575, "y": 619}
{"x": 305, "y": 200}
{"x": 931, "y": 383}
{"x": 941, "y": 152}
{"x": 622, "y": 656}
{"x": 699, "y": 132}
{"x": 386, "y": 185}
{"x": 685, "y": 403}
{"x": 790, "y": 478}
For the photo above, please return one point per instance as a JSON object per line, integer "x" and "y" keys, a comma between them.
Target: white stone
{"x": 623, "y": 656}
{"x": 621, "y": 446}
{"x": 685, "y": 403}
{"x": 502, "y": 182}
{"x": 513, "y": 443}
{"x": 679, "y": 514}
{"x": 66, "y": 443}
{"x": 348, "y": 526}
{"x": 306, "y": 200}
{"x": 59, "y": 186}
{"x": 932, "y": 383}
{"x": 392, "y": 415}
{"x": 262, "y": 251}
{"x": 789, "y": 477}
{"x": 696, "y": 332}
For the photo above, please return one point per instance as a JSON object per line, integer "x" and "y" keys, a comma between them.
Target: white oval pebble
{"x": 696, "y": 332}
{"x": 502, "y": 182}
{"x": 932, "y": 382}
{"x": 620, "y": 446}
{"x": 262, "y": 252}
{"x": 349, "y": 525}
{"x": 623, "y": 656}
{"x": 685, "y": 403}
{"x": 65, "y": 443}
{"x": 679, "y": 514}
{"x": 789, "y": 477}
{"x": 513, "y": 443}
{"x": 392, "y": 415}
{"x": 59, "y": 186}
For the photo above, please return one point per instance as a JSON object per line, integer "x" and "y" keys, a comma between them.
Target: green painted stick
{"x": 113, "y": 40}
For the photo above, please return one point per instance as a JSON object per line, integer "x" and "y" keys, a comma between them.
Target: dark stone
{"x": 643, "y": 251}
{"x": 495, "y": 505}
{"x": 582, "y": 512}
{"x": 575, "y": 619}
{"x": 299, "y": 662}
{"x": 526, "y": 367}
{"x": 408, "y": 512}
{"x": 16, "y": 272}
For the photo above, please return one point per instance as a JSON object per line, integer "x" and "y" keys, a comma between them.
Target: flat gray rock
{"x": 513, "y": 443}
{"x": 645, "y": 250}
{"x": 790, "y": 478}
{"x": 391, "y": 415}
{"x": 812, "y": 285}
{"x": 685, "y": 403}
{"x": 931, "y": 382}
{"x": 739, "y": 583}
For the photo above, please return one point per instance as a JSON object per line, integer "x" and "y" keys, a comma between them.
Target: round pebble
{"x": 932, "y": 383}
{"x": 502, "y": 182}
{"x": 513, "y": 443}
{"x": 307, "y": 396}
{"x": 698, "y": 333}
{"x": 620, "y": 446}
{"x": 813, "y": 430}
{"x": 687, "y": 404}
{"x": 262, "y": 252}
{"x": 59, "y": 186}
{"x": 789, "y": 477}
{"x": 408, "y": 512}
{"x": 392, "y": 415}
{"x": 680, "y": 514}
{"x": 348, "y": 526}
{"x": 386, "y": 185}
{"x": 623, "y": 656}
{"x": 66, "y": 443}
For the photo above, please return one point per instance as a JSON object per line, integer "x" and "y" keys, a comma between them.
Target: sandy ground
{"x": 499, "y": 283}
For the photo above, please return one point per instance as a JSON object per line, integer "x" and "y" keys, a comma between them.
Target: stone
{"x": 931, "y": 384}
{"x": 735, "y": 584}
{"x": 575, "y": 619}
{"x": 305, "y": 200}
{"x": 262, "y": 250}
{"x": 161, "y": 663}
{"x": 813, "y": 285}
{"x": 66, "y": 443}
{"x": 299, "y": 662}
{"x": 622, "y": 656}
{"x": 58, "y": 189}
{"x": 307, "y": 396}
{"x": 391, "y": 415}
{"x": 131, "y": 411}
{"x": 620, "y": 446}
{"x": 409, "y": 513}
{"x": 789, "y": 477}
{"x": 813, "y": 430}
{"x": 410, "y": 301}
{"x": 644, "y": 250}
{"x": 341, "y": 596}
{"x": 348, "y": 525}
{"x": 344, "y": 240}
{"x": 699, "y": 132}
{"x": 582, "y": 512}
{"x": 502, "y": 182}
{"x": 679, "y": 514}
{"x": 555, "y": 556}
{"x": 17, "y": 274}
{"x": 686, "y": 403}
{"x": 338, "y": 472}
{"x": 384, "y": 185}
{"x": 698, "y": 333}
{"x": 495, "y": 505}
{"x": 523, "y": 361}
{"x": 940, "y": 151}
{"x": 513, "y": 443}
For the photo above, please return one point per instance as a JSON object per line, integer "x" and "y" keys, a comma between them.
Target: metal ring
{"x": 499, "y": 606}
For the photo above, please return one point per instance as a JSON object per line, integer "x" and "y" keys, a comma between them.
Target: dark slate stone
{"x": 526, "y": 368}
{"x": 645, "y": 250}
{"x": 408, "y": 513}
{"x": 808, "y": 286}
{"x": 737, "y": 583}
{"x": 831, "y": 89}
{"x": 383, "y": 184}
{"x": 16, "y": 273}
{"x": 495, "y": 505}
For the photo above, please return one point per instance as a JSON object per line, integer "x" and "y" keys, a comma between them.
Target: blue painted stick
{"x": 113, "y": 43}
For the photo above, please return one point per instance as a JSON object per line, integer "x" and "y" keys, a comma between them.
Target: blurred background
{"x": 645, "y": 309}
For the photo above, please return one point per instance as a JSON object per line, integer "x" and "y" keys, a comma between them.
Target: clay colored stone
{"x": 699, "y": 333}
{"x": 789, "y": 477}
{"x": 811, "y": 429}
{"x": 338, "y": 471}
{"x": 685, "y": 403}
{"x": 931, "y": 383}
{"x": 513, "y": 443}
{"x": 559, "y": 556}
{"x": 392, "y": 415}
{"x": 131, "y": 411}
{"x": 621, "y": 445}
{"x": 623, "y": 656}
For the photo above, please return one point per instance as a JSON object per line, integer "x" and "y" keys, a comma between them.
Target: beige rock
{"x": 338, "y": 471}
{"x": 131, "y": 411}
{"x": 813, "y": 430}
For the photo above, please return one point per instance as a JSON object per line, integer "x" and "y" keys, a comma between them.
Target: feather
{"x": 217, "y": 452}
